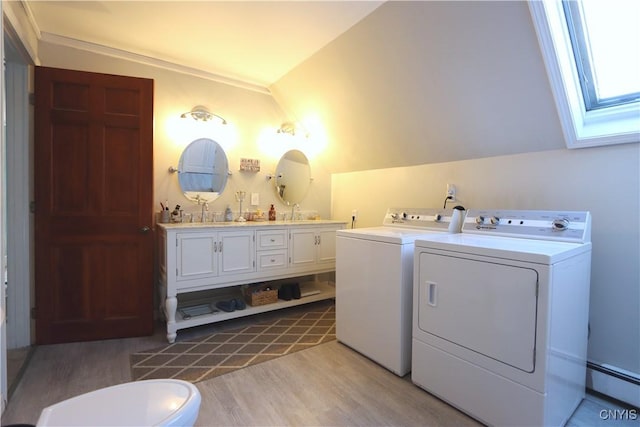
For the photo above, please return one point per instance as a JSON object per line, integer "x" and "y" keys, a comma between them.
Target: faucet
{"x": 205, "y": 207}
{"x": 293, "y": 211}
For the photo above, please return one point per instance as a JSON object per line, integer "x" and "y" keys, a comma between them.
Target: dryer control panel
{"x": 565, "y": 226}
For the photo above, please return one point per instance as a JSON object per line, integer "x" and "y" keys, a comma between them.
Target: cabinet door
{"x": 237, "y": 252}
{"x": 196, "y": 256}
{"x": 302, "y": 250}
{"x": 326, "y": 245}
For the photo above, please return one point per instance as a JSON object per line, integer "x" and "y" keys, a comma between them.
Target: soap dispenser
{"x": 272, "y": 213}
{"x": 228, "y": 214}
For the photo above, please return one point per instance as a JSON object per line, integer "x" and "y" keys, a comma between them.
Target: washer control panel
{"x": 427, "y": 218}
{"x": 569, "y": 226}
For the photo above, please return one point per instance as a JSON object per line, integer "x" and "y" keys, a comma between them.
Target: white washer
{"x": 500, "y": 319}
{"x": 374, "y": 281}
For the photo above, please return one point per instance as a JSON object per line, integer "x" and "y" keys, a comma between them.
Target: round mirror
{"x": 203, "y": 170}
{"x": 293, "y": 176}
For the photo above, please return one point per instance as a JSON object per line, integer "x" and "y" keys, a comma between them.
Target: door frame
{"x": 19, "y": 190}
{"x": 14, "y": 79}
{"x": 3, "y": 305}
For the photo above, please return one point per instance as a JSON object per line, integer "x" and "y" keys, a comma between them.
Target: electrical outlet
{"x": 451, "y": 192}
{"x": 354, "y": 214}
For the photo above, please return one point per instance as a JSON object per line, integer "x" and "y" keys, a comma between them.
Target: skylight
{"x": 591, "y": 50}
{"x": 605, "y": 37}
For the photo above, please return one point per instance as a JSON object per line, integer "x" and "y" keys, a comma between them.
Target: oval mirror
{"x": 203, "y": 170}
{"x": 293, "y": 176}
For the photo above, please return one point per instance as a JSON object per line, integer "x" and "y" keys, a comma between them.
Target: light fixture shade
{"x": 293, "y": 128}
{"x": 288, "y": 127}
{"x": 200, "y": 113}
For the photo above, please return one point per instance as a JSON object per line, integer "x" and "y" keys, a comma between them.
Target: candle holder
{"x": 240, "y": 195}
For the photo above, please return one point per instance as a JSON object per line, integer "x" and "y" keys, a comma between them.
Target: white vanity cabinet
{"x": 224, "y": 256}
{"x": 312, "y": 246}
{"x": 209, "y": 254}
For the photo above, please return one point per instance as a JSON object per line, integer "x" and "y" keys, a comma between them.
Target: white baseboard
{"x": 614, "y": 382}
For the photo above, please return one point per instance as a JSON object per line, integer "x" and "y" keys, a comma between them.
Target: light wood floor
{"x": 325, "y": 385}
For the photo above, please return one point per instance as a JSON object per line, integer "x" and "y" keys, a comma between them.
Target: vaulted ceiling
{"x": 392, "y": 83}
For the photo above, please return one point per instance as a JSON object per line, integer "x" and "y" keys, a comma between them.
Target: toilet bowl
{"x": 162, "y": 402}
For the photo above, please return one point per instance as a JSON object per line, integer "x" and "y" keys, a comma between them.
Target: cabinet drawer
{"x": 272, "y": 239}
{"x": 268, "y": 260}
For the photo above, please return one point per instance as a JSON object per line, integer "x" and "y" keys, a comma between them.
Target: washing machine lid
{"x": 396, "y": 235}
{"x": 527, "y": 250}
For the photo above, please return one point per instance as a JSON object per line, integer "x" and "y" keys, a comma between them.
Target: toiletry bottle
{"x": 272, "y": 213}
{"x": 228, "y": 215}
{"x": 175, "y": 215}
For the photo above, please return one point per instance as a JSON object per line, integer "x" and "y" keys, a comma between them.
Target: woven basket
{"x": 255, "y": 296}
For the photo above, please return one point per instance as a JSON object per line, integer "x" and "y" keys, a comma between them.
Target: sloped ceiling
{"x": 426, "y": 82}
{"x": 252, "y": 41}
{"x": 391, "y": 84}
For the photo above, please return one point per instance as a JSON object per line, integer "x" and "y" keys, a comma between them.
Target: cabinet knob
{"x": 144, "y": 229}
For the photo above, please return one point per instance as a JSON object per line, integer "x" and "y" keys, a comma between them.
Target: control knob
{"x": 480, "y": 220}
{"x": 495, "y": 220}
{"x": 437, "y": 218}
{"x": 560, "y": 224}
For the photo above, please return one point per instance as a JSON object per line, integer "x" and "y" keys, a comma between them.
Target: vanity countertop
{"x": 229, "y": 224}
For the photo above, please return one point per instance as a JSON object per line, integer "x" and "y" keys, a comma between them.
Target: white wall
{"x": 427, "y": 82}
{"x": 604, "y": 181}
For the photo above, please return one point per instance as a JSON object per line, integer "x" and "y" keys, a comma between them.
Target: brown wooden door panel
{"x": 94, "y": 195}
{"x": 104, "y": 300}
{"x": 69, "y": 181}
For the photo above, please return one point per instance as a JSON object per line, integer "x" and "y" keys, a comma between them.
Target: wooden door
{"x": 93, "y": 206}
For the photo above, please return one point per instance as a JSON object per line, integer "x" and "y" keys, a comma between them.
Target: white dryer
{"x": 500, "y": 318}
{"x": 374, "y": 284}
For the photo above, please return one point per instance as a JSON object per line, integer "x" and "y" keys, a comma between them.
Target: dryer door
{"x": 485, "y": 307}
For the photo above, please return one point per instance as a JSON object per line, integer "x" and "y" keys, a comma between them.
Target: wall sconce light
{"x": 200, "y": 113}
{"x": 288, "y": 127}
{"x": 291, "y": 128}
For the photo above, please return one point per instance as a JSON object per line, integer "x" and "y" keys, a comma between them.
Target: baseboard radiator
{"x": 614, "y": 382}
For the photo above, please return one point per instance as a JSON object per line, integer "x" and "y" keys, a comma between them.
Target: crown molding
{"x": 147, "y": 60}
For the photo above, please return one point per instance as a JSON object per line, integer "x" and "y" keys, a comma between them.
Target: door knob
{"x": 144, "y": 229}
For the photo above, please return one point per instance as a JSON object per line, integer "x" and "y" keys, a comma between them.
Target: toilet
{"x": 162, "y": 402}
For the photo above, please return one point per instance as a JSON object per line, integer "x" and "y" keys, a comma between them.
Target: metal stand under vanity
{"x": 197, "y": 257}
